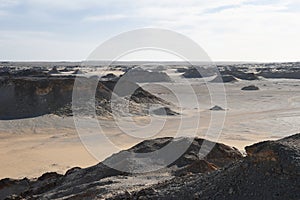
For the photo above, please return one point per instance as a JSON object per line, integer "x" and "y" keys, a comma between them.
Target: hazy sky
{"x": 229, "y": 30}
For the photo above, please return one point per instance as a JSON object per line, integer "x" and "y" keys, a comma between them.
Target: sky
{"x": 228, "y": 30}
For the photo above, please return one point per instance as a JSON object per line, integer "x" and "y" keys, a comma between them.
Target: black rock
{"x": 217, "y": 108}
{"x": 250, "y": 87}
{"x": 109, "y": 76}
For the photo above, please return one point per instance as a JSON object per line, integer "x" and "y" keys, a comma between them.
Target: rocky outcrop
{"x": 109, "y": 76}
{"x": 101, "y": 182}
{"x": 271, "y": 170}
{"x": 23, "y": 97}
{"x": 77, "y": 71}
{"x": 197, "y": 72}
{"x": 192, "y": 73}
{"x": 54, "y": 71}
{"x": 144, "y": 76}
{"x": 288, "y": 74}
{"x": 219, "y": 156}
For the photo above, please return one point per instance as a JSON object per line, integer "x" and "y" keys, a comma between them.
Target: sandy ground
{"x": 30, "y": 147}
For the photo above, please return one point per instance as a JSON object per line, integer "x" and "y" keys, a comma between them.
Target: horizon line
{"x": 139, "y": 61}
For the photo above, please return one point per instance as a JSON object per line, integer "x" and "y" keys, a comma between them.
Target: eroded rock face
{"x": 23, "y": 97}
{"x": 271, "y": 170}
{"x": 283, "y": 155}
{"x": 101, "y": 182}
{"x": 220, "y": 155}
{"x": 29, "y": 97}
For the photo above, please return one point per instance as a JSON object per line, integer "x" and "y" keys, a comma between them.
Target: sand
{"x": 30, "y": 147}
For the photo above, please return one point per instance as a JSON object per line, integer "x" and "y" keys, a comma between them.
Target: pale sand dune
{"x": 30, "y": 147}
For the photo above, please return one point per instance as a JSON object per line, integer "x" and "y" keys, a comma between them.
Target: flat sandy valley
{"x": 30, "y": 147}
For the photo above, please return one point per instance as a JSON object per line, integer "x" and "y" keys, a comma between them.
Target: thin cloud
{"x": 8, "y": 3}
{"x": 98, "y": 18}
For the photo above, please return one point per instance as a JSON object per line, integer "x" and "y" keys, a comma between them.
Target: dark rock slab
{"x": 250, "y": 87}
{"x": 217, "y": 108}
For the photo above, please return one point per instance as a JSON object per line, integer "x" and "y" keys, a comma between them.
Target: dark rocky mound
{"x": 23, "y": 97}
{"x": 288, "y": 74}
{"x": 219, "y": 156}
{"x": 250, "y": 87}
{"x": 271, "y": 170}
{"x": 144, "y": 76}
{"x": 224, "y": 79}
{"x": 54, "y": 71}
{"x": 109, "y": 76}
{"x": 102, "y": 182}
{"x": 77, "y": 71}
{"x": 192, "y": 73}
{"x": 164, "y": 111}
{"x": 217, "y": 108}
{"x": 198, "y": 72}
